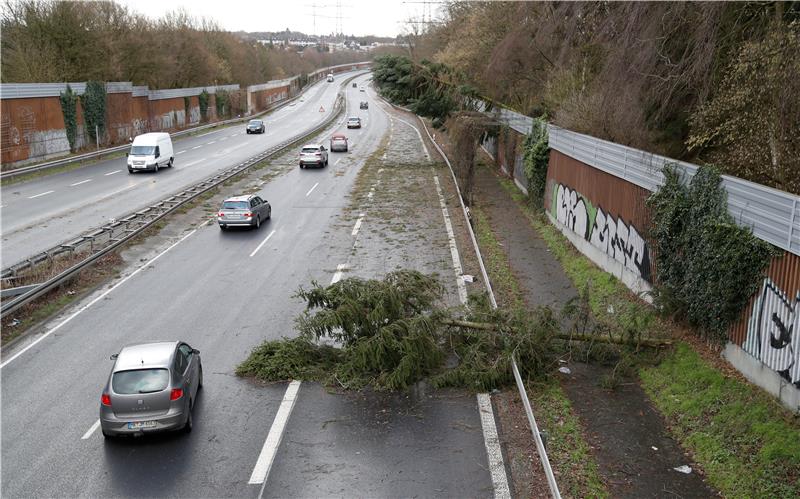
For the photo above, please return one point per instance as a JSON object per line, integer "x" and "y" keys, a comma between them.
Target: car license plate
{"x": 141, "y": 424}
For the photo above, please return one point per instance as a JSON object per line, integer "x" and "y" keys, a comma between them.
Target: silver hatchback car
{"x": 152, "y": 387}
{"x": 248, "y": 211}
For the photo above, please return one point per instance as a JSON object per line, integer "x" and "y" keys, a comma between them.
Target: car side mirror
{"x": 114, "y": 357}
{"x": 196, "y": 351}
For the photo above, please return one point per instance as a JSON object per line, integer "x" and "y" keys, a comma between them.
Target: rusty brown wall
{"x": 140, "y": 116}
{"x": 164, "y": 114}
{"x": 263, "y": 99}
{"x": 118, "y": 117}
{"x": 25, "y": 125}
{"x": 605, "y": 210}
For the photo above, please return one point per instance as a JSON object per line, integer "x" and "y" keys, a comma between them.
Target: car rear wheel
{"x": 301, "y": 166}
{"x": 107, "y": 435}
{"x": 258, "y": 221}
{"x": 200, "y": 379}
{"x": 223, "y": 227}
{"x": 187, "y": 428}
{"x": 269, "y": 213}
{"x": 170, "y": 162}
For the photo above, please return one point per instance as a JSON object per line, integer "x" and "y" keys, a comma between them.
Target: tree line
{"x": 714, "y": 82}
{"x": 63, "y": 41}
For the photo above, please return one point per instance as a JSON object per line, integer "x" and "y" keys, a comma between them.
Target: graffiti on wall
{"x": 773, "y": 332}
{"x": 613, "y": 237}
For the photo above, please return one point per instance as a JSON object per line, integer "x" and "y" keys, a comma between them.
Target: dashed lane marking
{"x": 312, "y": 189}
{"x": 112, "y": 173}
{"x": 91, "y": 430}
{"x": 81, "y": 182}
{"x": 41, "y": 194}
{"x": 357, "y": 227}
{"x": 262, "y": 243}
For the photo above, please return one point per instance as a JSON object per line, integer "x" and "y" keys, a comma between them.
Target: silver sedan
{"x": 152, "y": 387}
{"x": 247, "y": 211}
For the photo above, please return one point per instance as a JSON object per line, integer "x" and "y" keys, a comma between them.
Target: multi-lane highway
{"x": 223, "y": 293}
{"x": 44, "y": 212}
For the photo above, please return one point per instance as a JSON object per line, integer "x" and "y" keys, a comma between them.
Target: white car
{"x": 313, "y": 154}
{"x": 150, "y": 151}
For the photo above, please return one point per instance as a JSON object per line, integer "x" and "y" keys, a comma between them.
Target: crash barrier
{"x": 97, "y": 243}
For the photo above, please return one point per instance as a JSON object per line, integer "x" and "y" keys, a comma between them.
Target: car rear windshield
{"x": 255, "y": 122}
{"x": 143, "y": 150}
{"x": 310, "y": 149}
{"x": 235, "y": 205}
{"x": 339, "y": 139}
{"x": 140, "y": 381}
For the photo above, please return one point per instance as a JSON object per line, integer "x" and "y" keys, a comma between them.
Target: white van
{"x": 330, "y": 77}
{"x": 150, "y": 151}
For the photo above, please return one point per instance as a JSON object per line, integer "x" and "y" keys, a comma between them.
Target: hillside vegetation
{"x": 57, "y": 41}
{"x": 711, "y": 82}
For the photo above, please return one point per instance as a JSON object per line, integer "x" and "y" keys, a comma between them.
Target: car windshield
{"x": 354, "y": 119}
{"x": 255, "y": 123}
{"x": 140, "y": 381}
{"x": 339, "y": 139}
{"x": 235, "y": 205}
{"x": 310, "y": 149}
{"x": 143, "y": 150}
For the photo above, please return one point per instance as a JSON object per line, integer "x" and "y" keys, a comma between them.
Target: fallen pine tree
{"x": 394, "y": 332}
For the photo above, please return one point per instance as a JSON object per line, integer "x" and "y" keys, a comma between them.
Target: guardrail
{"x": 548, "y": 470}
{"x": 119, "y": 232}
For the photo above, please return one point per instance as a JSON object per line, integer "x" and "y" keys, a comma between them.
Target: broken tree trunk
{"x": 487, "y": 326}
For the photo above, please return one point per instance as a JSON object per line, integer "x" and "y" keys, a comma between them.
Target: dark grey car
{"x": 256, "y": 126}
{"x": 152, "y": 387}
{"x": 243, "y": 211}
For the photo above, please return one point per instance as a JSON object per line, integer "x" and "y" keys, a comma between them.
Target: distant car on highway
{"x": 355, "y": 85}
{"x": 354, "y": 122}
{"x": 361, "y": 89}
{"x": 152, "y": 387}
{"x": 243, "y": 211}
{"x": 330, "y": 77}
{"x": 150, "y": 151}
{"x": 256, "y": 126}
{"x": 313, "y": 154}
{"x": 364, "y": 105}
{"x": 338, "y": 143}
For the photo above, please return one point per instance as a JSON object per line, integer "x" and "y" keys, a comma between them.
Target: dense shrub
{"x": 69, "y": 101}
{"x": 93, "y": 102}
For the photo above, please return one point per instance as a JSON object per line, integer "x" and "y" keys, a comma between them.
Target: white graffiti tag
{"x": 621, "y": 242}
{"x": 571, "y": 210}
{"x": 773, "y": 332}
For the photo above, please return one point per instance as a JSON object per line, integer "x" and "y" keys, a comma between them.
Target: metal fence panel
{"x": 773, "y": 215}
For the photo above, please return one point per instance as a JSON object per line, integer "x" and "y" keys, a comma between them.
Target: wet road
{"x": 223, "y": 293}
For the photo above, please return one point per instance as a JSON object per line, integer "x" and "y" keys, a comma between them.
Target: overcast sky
{"x": 359, "y": 17}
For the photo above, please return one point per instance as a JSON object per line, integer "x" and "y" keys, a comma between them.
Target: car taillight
{"x": 318, "y": 153}
{"x": 221, "y": 215}
{"x": 176, "y": 393}
{"x": 248, "y": 214}
{"x": 105, "y": 399}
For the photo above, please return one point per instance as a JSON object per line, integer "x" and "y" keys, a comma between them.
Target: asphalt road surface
{"x": 70, "y": 203}
{"x": 223, "y": 293}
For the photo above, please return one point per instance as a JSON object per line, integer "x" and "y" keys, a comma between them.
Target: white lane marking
{"x": 193, "y": 162}
{"x": 100, "y": 297}
{"x": 358, "y": 224}
{"x": 180, "y": 152}
{"x": 197, "y": 147}
{"x": 41, "y": 194}
{"x": 81, "y": 182}
{"x": 337, "y": 162}
{"x": 312, "y": 189}
{"x": 112, "y": 173}
{"x": 337, "y": 276}
{"x": 494, "y": 453}
{"x": 212, "y": 142}
{"x": 267, "y": 455}
{"x": 223, "y": 138}
{"x": 262, "y": 243}
{"x": 91, "y": 430}
{"x": 122, "y": 190}
{"x": 462, "y": 289}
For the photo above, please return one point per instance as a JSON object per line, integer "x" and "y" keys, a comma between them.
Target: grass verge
{"x": 747, "y": 444}
{"x": 577, "y": 471}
